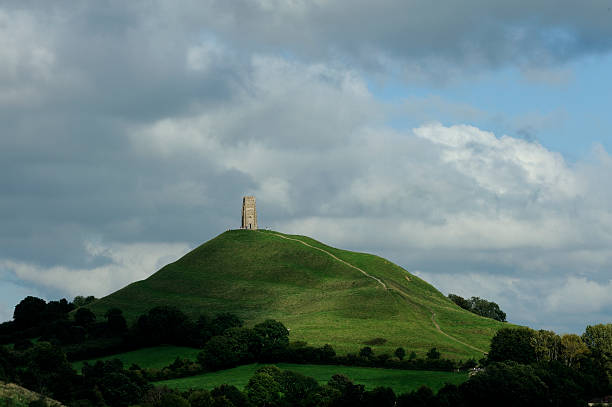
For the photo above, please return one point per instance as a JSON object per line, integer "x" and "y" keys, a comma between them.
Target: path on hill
{"x": 406, "y": 296}
{"x": 395, "y": 287}
{"x": 329, "y": 254}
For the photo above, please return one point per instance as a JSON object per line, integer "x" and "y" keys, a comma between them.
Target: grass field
{"x": 400, "y": 381}
{"x": 155, "y": 357}
{"x": 259, "y": 275}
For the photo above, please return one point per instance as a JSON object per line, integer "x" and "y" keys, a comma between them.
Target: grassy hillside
{"x": 322, "y": 294}
{"x": 17, "y": 396}
{"x": 401, "y": 381}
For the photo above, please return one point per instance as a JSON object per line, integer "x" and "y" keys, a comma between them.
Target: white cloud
{"x": 123, "y": 264}
{"x": 579, "y": 295}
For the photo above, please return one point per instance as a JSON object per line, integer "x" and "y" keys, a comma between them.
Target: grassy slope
{"x": 400, "y": 381}
{"x": 259, "y": 275}
{"x": 17, "y": 396}
{"x": 155, "y": 357}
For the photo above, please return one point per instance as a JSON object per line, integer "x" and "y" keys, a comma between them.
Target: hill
{"x": 322, "y": 294}
{"x": 17, "y": 396}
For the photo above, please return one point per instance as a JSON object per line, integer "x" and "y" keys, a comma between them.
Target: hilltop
{"x": 322, "y": 294}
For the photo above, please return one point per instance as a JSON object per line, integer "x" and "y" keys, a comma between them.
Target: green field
{"x": 321, "y": 299}
{"x": 156, "y": 357}
{"x": 400, "y": 381}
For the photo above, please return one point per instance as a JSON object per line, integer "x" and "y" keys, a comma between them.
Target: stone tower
{"x": 249, "y": 214}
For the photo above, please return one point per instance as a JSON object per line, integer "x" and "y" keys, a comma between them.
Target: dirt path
{"x": 395, "y": 287}
{"x": 340, "y": 260}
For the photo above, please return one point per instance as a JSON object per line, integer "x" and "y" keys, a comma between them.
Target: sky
{"x": 469, "y": 142}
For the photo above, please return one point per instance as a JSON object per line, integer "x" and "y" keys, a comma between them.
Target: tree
{"x": 115, "y": 321}
{"x": 47, "y": 369}
{"x": 379, "y": 397}
{"x": 220, "y": 352}
{"x": 225, "y": 321}
{"x": 546, "y": 345}
{"x": 296, "y": 387}
{"x": 366, "y": 352}
{"x": 249, "y": 343}
{"x": 273, "y": 333}
{"x": 480, "y": 307}
{"x": 512, "y": 344}
{"x": 327, "y": 353}
{"x": 572, "y": 349}
{"x": 231, "y": 393}
{"x": 201, "y": 398}
{"x": 460, "y": 301}
{"x": 81, "y": 301}
{"x": 400, "y": 353}
{"x": 505, "y": 384}
{"x": 84, "y": 317}
{"x": 599, "y": 339}
{"x": 29, "y": 312}
{"x": 263, "y": 390}
{"x": 487, "y": 309}
{"x": 164, "y": 325}
{"x": 433, "y": 354}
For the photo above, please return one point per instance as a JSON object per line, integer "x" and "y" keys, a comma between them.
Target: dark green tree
{"x": 220, "y": 352}
{"x": 115, "y": 321}
{"x": 84, "y": 317}
{"x": 29, "y": 312}
{"x": 506, "y": 384}
{"x": 400, "y": 353}
{"x": 514, "y": 344}
{"x": 366, "y": 352}
{"x": 273, "y": 333}
{"x": 433, "y": 354}
{"x": 263, "y": 390}
{"x": 200, "y": 398}
{"x": 223, "y": 322}
{"x": 460, "y": 301}
{"x": 231, "y": 393}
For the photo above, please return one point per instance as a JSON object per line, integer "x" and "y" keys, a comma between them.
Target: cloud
{"x": 122, "y": 265}
{"x": 424, "y": 40}
{"x": 145, "y": 126}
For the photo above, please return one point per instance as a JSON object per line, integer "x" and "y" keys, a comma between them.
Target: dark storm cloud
{"x": 419, "y": 35}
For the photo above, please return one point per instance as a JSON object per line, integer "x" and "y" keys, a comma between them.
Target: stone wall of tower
{"x": 249, "y": 213}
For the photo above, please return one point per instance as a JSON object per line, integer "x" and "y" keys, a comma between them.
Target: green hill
{"x": 322, "y": 294}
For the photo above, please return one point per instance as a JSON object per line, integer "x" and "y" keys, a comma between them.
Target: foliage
{"x": 115, "y": 321}
{"x": 546, "y": 345}
{"x": 479, "y": 306}
{"x": 573, "y": 349}
{"x": 29, "y": 312}
{"x": 599, "y": 339}
{"x": 84, "y": 317}
{"x": 400, "y": 353}
{"x": 221, "y": 352}
{"x": 515, "y": 344}
{"x": 45, "y": 369}
{"x": 433, "y": 354}
{"x": 163, "y": 325}
{"x": 273, "y": 333}
{"x": 366, "y": 352}
{"x": 81, "y": 301}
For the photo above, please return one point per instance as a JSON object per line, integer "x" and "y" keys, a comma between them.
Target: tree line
{"x": 479, "y": 306}
{"x": 523, "y": 367}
